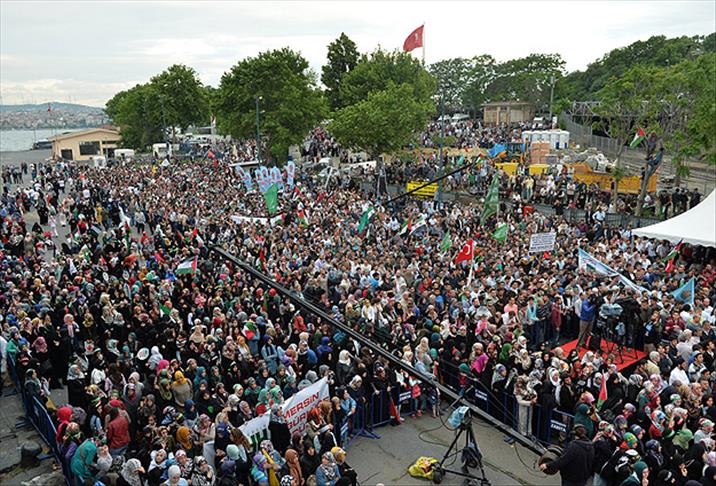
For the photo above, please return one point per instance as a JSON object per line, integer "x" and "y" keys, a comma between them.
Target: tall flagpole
{"x": 423, "y": 44}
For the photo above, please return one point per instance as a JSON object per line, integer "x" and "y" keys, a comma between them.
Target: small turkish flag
{"x": 210, "y": 154}
{"x": 414, "y": 40}
{"x": 466, "y": 252}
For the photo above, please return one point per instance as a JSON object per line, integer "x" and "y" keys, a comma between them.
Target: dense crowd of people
{"x": 468, "y": 134}
{"x": 165, "y": 366}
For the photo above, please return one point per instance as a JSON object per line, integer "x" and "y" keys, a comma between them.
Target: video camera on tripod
{"x": 609, "y": 324}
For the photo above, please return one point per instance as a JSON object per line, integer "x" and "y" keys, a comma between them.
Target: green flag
{"x": 492, "y": 201}
{"x": 500, "y": 233}
{"x": 446, "y": 244}
{"x": 365, "y": 218}
{"x": 271, "y": 197}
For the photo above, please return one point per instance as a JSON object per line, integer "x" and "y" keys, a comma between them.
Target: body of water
{"x": 15, "y": 140}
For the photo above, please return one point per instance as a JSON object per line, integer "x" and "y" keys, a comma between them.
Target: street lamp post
{"x": 442, "y": 136}
{"x": 258, "y": 130}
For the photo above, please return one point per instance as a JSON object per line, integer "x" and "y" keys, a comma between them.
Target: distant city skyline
{"x": 95, "y": 49}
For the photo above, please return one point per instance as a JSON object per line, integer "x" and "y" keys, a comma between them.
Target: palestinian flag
{"x": 639, "y": 137}
{"x": 671, "y": 257}
{"x": 249, "y": 330}
{"x": 302, "y": 217}
{"x": 602, "y": 392}
{"x": 187, "y": 267}
{"x": 262, "y": 257}
{"x": 365, "y": 218}
{"x": 446, "y": 243}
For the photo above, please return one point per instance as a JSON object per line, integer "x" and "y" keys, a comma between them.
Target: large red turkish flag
{"x": 466, "y": 252}
{"x": 414, "y": 40}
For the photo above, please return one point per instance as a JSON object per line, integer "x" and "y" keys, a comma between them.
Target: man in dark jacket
{"x": 576, "y": 462}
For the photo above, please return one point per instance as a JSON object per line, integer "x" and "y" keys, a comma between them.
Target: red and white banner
{"x": 296, "y": 408}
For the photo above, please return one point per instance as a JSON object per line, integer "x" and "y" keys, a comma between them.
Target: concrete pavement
{"x": 386, "y": 460}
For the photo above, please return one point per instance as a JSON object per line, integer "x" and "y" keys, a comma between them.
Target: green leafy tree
{"x": 686, "y": 117}
{"x": 181, "y": 96}
{"x": 290, "y": 102}
{"x": 381, "y": 69}
{"x": 527, "y": 78}
{"x": 656, "y": 51}
{"x": 624, "y": 107}
{"x": 482, "y": 73}
{"x": 137, "y": 113}
{"x": 342, "y": 59}
{"x": 383, "y": 122}
{"x": 462, "y": 81}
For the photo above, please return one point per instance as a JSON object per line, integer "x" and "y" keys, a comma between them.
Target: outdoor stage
{"x": 626, "y": 358}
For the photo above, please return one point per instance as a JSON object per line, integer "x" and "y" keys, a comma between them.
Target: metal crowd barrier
{"x": 36, "y": 415}
{"x": 548, "y": 426}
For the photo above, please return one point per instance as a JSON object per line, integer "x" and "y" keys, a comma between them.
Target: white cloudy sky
{"x": 85, "y": 52}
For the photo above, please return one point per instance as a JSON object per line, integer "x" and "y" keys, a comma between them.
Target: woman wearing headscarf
{"x": 203, "y": 473}
{"x": 258, "y": 471}
{"x": 273, "y": 463}
{"x": 344, "y": 369}
{"x": 181, "y": 389}
{"x": 83, "y": 461}
{"x": 280, "y": 433}
{"x": 327, "y": 473}
{"x": 292, "y": 467}
{"x": 132, "y": 474}
{"x": 636, "y": 478}
{"x": 183, "y": 437}
{"x": 157, "y": 467}
{"x": 76, "y": 383}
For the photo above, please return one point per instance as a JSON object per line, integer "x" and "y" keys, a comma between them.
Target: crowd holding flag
{"x": 187, "y": 267}
{"x": 467, "y": 252}
{"x": 500, "y": 233}
{"x": 365, "y": 219}
{"x": 271, "y": 197}
{"x": 671, "y": 257}
{"x": 446, "y": 243}
{"x": 639, "y": 137}
{"x": 492, "y": 201}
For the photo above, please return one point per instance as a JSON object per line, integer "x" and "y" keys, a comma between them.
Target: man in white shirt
{"x": 679, "y": 372}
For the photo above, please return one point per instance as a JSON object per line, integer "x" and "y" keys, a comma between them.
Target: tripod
{"x": 471, "y": 457}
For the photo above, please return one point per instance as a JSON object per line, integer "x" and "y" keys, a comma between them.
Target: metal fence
{"x": 583, "y": 135}
{"x": 36, "y": 415}
{"x": 547, "y": 425}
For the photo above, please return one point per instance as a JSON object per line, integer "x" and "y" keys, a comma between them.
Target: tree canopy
{"x": 380, "y": 69}
{"x": 387, "y": 99}
{"x": 342, "y": 59}
{"x": 173, "y": 98}
{"x": 385, "y": 121}
{"x": 290, "y": 103}
{"x": 657, "y": 51}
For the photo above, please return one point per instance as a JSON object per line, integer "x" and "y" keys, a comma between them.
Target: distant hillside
{"x": 56, "y": 106}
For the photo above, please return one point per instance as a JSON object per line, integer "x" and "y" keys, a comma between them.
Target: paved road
{"x": 386, "y": 460}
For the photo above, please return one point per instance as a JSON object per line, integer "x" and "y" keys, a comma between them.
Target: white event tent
{"x": 697, "y": 226}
